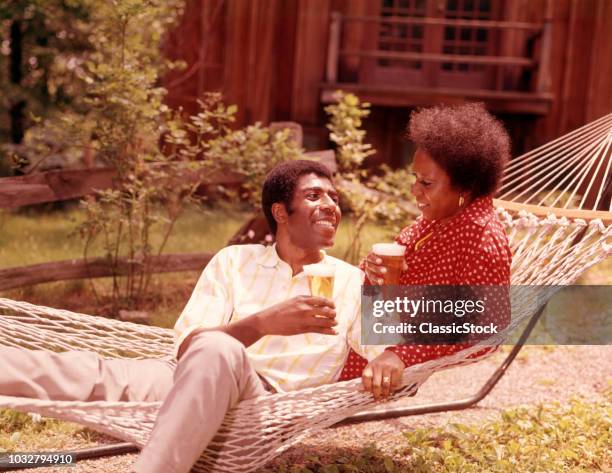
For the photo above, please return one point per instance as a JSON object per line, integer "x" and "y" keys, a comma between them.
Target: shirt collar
{"x": 478, "y": 212}
{"x": 270, "y": 259}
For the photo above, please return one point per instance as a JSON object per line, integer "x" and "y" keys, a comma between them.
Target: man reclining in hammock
{"x": 250, "y": 325}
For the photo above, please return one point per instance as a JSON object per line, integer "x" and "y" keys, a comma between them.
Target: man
{"x": 250, "y": 323}
{"x": 252, "y": 305}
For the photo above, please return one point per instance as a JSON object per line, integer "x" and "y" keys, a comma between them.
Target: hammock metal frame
{"x": 459, "y": 404}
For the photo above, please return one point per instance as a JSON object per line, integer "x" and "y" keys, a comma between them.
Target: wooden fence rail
{"x": 11, "y": 278}
{"x": 70, "y": 184}
{"x": 65, "y": 184}
{"x": 52, "y": 186}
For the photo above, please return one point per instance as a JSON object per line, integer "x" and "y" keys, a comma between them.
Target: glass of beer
{"x": 392, "y": 256}
{"x": 321, "y": 279}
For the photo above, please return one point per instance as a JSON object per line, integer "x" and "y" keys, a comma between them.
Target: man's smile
{"x": 327, "y": 222}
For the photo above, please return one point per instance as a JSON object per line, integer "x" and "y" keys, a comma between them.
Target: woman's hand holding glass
{"x": 385, "y": 264}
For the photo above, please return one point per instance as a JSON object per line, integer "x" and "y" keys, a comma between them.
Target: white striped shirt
{"x": 244, "y": 279}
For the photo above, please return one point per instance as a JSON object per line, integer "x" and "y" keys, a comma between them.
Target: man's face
{"x": 314, "y": 214}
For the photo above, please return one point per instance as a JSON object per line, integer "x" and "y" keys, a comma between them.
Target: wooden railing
{"x": 537, "y": 44}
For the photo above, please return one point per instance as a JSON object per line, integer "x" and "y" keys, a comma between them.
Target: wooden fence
{"x": 53, "y": 186}
{"x": 11, "y": 278}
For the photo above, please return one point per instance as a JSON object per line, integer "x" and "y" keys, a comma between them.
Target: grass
{"x": 21, "y": 432}
{"x": 34, "y": 237}
{"x": 37, "y": 237}
{"x": 600, "y": 274}
{"x": 547, "y": 438}
{"x": 40, "y": 237}
{"x": 553, "y": 438}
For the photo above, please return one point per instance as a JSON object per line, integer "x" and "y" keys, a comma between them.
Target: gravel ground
{"x": 538, "y": 375}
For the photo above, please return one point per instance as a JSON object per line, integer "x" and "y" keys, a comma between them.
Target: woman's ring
{"x": 386, "y": 380}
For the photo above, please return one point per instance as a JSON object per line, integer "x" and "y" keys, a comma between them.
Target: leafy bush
{"x": 372, "y": 195}
{"x": 160, "y": 156}
{"x": 554, "y": 438}
{"x": 87, "y": 82}
{"x": 153, "y": 187}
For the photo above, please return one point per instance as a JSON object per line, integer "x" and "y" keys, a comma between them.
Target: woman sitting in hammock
{"x": 458, "y": 240}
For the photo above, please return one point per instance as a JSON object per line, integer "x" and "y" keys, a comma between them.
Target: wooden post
{"x": 333, "y": 48}
{"x": 544, "y": 83}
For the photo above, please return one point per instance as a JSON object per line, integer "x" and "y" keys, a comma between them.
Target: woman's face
{"x": 436, "y": 197}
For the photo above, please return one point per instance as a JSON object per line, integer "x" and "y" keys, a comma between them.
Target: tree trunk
{"x": 16, "y": 74}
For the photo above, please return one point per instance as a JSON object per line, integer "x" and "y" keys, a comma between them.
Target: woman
{"x": 458, "y": 240}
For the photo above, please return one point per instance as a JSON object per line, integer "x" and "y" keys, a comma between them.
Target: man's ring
{"x": 386, "y": 380}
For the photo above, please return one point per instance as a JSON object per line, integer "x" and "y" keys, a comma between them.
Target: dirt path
{"x": 539, "y": 375}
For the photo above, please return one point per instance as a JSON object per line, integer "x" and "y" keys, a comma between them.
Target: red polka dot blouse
{"x": 469, "y": 249}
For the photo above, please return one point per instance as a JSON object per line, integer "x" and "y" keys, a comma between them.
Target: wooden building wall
{"x": 269, "y": 57}
{"x": 581, "y": 65}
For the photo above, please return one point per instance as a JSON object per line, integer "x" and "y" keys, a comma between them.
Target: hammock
{"x": 571, "y": 172}
{"x": 548, "y": 250}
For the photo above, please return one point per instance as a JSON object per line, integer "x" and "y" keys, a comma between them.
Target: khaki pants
{"x": 212, "y": 376}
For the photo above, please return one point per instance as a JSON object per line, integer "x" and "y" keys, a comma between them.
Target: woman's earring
{"x": 461, "y": 201}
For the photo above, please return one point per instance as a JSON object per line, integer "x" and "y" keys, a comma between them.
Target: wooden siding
{"x": 311, "y": 43}
{"x": 581, "y": 66}
{"x": 269, "y": 58}
{"x": 599, "y": 88}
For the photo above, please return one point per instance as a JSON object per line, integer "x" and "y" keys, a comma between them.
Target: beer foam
{"x": 388, "y": 249}
{"x": 321, "y": 270}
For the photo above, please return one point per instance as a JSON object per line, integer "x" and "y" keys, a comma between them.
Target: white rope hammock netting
{"x": 572, "y": 171}
{"x": 547, "y": 251}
